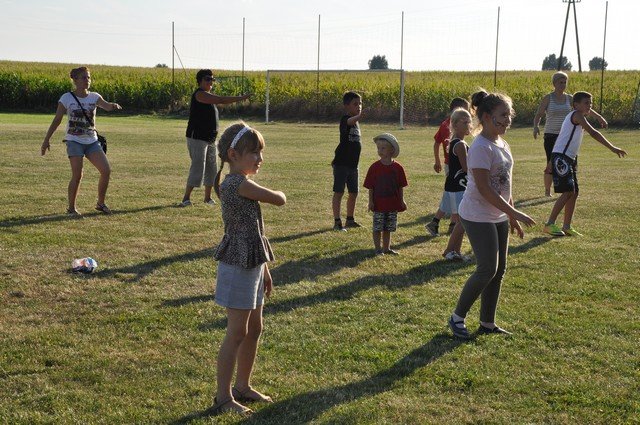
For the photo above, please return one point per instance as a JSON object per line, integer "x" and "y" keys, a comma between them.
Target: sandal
{"x": 103, "y": 208}
{"x": 72, "y": 212}
{"x": 218, "y": 408}
{"x": 243, "y": 396}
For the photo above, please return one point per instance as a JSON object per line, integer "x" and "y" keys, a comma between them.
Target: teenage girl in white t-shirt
{"x": 81, "y": 137}
{"x": 487, "y": 212}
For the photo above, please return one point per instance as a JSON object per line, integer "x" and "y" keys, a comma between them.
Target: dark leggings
{"x": 490, "y": 243}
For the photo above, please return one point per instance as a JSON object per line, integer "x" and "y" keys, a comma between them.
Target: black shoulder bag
{"x": 101, "y": 139}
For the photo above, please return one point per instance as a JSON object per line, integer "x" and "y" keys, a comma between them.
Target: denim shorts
{"x": 80, "y": 149}
{"x": 345, "y": 176}
{"x": 450, "y": 202}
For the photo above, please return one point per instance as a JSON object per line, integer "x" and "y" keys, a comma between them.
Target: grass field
{"x": 349, "y": 337}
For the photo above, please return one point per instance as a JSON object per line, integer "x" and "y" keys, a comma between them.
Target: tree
{"x": 161, "y": 65}
{"x": 550, "y": 63}
{"x": 596, "y": 63}
{"x": 378, "y": 62}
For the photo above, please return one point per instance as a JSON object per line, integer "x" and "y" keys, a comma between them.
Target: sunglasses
{"x": 209, "y": 79}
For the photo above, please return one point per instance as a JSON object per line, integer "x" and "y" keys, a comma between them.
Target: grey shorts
{"x": 203, "y": 168}
{"x": 385, "y": 221}
{"x": 345, "y": 176}
{"x": 240, "y": 288}
{"x": 80, "y": 149}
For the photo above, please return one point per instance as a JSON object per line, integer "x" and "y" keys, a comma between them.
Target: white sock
{"x": 488, "y": 325}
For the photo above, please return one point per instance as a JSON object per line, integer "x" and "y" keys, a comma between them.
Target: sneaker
{"x": 185, "y": 203}
{"x": 453, "y": 256}
{"x": 352, "y": 223}
{"x": 379, "y": 252}
{"x": 570, "y": 231}
{"x": 483, "y": 330}
{"x": 553, "y": 230}
{"x": 459, "y": 329}
{"x": 391, "y": 252}
{"x": 432, "y": 228}
{"x": 338, "y": 226}
{"x": 210, "y": 202}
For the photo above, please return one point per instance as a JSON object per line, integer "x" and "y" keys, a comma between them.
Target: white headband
{"x": 234, "y": 142}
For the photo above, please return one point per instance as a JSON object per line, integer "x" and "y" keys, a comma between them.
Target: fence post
{"x": 266, "y": 101}
{"x": 401, "y": 99}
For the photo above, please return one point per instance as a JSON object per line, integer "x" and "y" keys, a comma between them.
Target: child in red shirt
{"x": 385, "y": 181}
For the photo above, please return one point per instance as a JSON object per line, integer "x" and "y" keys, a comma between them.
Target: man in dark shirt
{"x": 345, "y": 161}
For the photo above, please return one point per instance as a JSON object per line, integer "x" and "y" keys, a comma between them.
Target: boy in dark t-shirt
{"x": 345, "y": 161}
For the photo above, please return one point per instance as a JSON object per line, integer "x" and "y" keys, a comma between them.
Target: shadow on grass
{"x": 530, "y": 202}
{"x": 306, "y": 407}
{"x": 50, "y": 218}
{"x": 141, "y": 270}
{"x": 298, "y": 235}
{"x": 419, "y": 275}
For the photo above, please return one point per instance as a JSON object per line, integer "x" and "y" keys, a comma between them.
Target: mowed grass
{"x": 349, "y": 337}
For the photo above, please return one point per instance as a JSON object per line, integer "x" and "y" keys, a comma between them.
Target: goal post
{"x": 309, "y": 90}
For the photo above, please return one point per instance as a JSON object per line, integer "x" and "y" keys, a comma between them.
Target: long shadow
{"x": 141, "y": 270}
{"x": 530, "y": 202}
{"x": 419, "y": 275}
{"x": 39, "y": 219}
{"x": 298, "y": 235}
{"x": 306, "y": 407}
{"x": 188, "y": 300}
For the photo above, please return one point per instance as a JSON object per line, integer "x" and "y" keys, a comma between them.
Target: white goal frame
{"x": 323, "y": 71}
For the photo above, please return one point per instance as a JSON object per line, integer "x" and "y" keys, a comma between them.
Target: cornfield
{"x": 27, "y": 86}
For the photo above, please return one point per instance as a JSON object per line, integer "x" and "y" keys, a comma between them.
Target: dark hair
{"x": 202, "y": 73}
{"x": 349, "y": 96}
{"x": 458, "y": 102}
{"x": 250, "y": 141}
{"x": 579, "y": 96}
{"x": 75, "y": 72}
{"x": 483, "y": 102}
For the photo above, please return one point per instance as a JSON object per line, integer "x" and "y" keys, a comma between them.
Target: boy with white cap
{"x": 385, "y": 181}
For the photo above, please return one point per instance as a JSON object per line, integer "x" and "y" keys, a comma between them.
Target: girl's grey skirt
{"x": 240, "y": 288}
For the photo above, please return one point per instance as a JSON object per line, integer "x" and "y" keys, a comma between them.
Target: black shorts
{"x": 345, "y": 176}
{"x": 565, "y": 173}
{"x": 549, "y": 142}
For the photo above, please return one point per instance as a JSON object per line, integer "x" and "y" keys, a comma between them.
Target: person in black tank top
{"x": 456, "y": 182}
{"x": 202, "y": 130}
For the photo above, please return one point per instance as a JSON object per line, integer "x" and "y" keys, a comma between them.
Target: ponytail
{"x": 485, "y": 103}
{"x": 216, "y": 182}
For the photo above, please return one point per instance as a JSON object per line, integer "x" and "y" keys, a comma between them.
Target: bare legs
{"x": 100, "y": 161}
{"x": 386, "y": 240}
{"x": 567, "y": 201}
{"x": 337, "y": 200}
{"x": 239, "y": 349}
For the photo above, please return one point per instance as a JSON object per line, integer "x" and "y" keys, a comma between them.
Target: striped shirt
{"x": 556, "y": 113}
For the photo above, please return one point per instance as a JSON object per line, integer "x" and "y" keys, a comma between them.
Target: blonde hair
{"x": 457, "y": 115}
{"x": 250, "y": 141}
{"x": 558, "y": 75}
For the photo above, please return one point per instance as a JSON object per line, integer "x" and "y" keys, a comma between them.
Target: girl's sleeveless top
{"x": 456, "y": 178}
{"x": 556, "y": 113}
{"x": 243, "y": 244}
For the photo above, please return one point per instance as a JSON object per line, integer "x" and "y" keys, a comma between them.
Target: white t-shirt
{"x": 571, "y": 135}
{"x": 78, "y": 128}
{"x": 495, "y": 157}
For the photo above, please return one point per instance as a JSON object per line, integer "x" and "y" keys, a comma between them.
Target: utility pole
{"x": 564, "y": 33}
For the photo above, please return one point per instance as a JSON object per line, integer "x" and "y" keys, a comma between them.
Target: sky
{"x": 455, "y": 35}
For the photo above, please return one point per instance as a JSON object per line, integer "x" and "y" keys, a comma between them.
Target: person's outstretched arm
{"x": 57, "y": 119}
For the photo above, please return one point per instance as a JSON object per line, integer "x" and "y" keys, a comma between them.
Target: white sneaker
{"x": 210, "y": 202}
{"x": 453, "y": 256}
{"x": 186, "y": 203}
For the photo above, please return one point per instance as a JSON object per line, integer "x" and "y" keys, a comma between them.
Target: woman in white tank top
{"x": 555, "y": 106}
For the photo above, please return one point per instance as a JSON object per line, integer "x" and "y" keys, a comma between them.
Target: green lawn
{"x": 349, "y": 337}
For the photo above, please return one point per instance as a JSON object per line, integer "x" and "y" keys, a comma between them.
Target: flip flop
{"x": 242, "y": 396}
{"x": 218, "y": 408}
